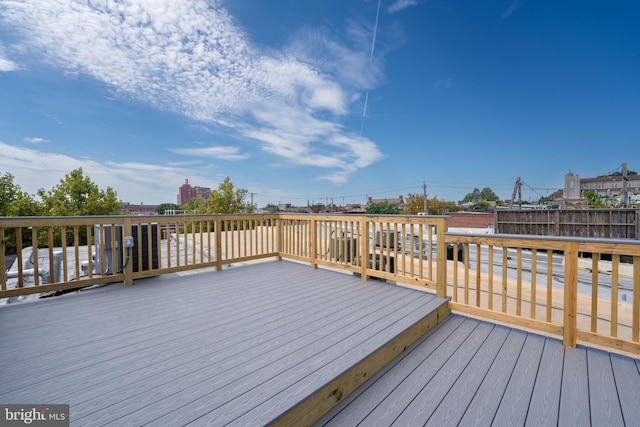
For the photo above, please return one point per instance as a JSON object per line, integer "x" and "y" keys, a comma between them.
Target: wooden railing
{"x": 576, "y": 289}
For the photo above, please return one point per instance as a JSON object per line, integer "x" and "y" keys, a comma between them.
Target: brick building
{"x": 186, "y": 192}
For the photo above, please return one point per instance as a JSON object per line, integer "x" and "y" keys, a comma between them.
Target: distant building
{"x": 394, "y": 201}
{"x": 186, "y": 192}
{"x": 610, "y": 186}
{"x": 572, "y": 186}
{"x": 140, "y": 209}
{"x": 603, "y": 186}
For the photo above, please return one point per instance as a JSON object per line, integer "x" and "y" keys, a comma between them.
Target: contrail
{"x": 373, "y": 45}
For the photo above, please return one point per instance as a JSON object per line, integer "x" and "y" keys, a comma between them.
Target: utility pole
{"x": 517, "y": 189}
{"x": 252, "y": 194}
{"x": 625, "y": 183}
{"x": 424, "y": 195}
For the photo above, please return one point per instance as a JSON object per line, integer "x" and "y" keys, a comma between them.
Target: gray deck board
{"x": 627, "y": 376}
{"x": 504, "y": 377}
{"x": 391, "y": 408}
{"x": 204, "y": 393}
{"x": 481, "y": 411}
{"x": 429, "y": 398}
{"x": 244, "y": 345}
{"x": 368, "y": 397}
{"x": 515, "y": 401}
{"x": 181, "y": 346}
{"x": 574, "y": 396}
{"x": 545, "y": 401}
{"x": 605, "y": 405}
{"x": 468, "y": 383}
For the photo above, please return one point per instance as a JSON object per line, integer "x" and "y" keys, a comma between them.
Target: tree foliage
{"x": 166, "y": 207}
{"x": 593, "y": 201}
{"x": 477, "y": 195}
{"x": 382, "y": 208}
{"x": 618, "y": 173}
{"x": 414, "y": 203}
{"x": 228, "y": 199}
{"x": 77, "y": 195}
{"x": 194, "y": 206}
{"x": 14, "y": 201}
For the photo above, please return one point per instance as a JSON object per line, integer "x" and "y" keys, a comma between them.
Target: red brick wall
{"x": 470, "y": 219}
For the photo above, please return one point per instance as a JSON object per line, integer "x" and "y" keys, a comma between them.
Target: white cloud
{"x": 191, "y": 57}
{"x": 35, "y": 140}
{"x": 5, "y": 63}
{"x": 32, "y": 168}
{"x": 401, "y": 5}
{"x": 216, "y": 152}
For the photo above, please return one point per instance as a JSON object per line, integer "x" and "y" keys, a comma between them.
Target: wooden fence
{"x": 597, "y": 223}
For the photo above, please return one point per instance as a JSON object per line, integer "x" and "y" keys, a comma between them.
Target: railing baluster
{"x": 615, "y": 264}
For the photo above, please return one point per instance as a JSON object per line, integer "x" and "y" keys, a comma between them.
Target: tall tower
{"x": 572, "y": 186}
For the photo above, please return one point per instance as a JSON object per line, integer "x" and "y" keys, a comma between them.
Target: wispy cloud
{"x": 515, "y": 5}
{"x": 31, "y": 168}
{"x": 5, "y": 63}
{"x": 35, "y": 140}
{"x": 191, "y": 57}
{"x": 401, "y": 5}
{"x": 216, "y": 152}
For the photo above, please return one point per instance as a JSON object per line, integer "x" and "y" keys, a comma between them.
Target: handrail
{"x": 585, "y": 289}
{"x": 577, "y": 289}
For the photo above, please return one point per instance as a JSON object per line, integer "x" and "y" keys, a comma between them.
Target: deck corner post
{"x": 313, "y": 242}
{"x": 279, "y": 237}
{"x": 364, "y": 248}
{"x": 218, "y": 233}
{"x": 128, "y": 270}
{"x": 570, "y": 320}
{"x": 441, "y": 266}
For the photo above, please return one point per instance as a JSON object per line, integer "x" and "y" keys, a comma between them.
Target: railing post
{"x": 218, "y": 233}
{"x": 570, "y": 294}
{"x": 313, "y": 241}
{"x": 279, "y": 237}
{"x": 3, "y": 267}
{"x": 635, "y": 320}
{"x": 441, "y": 266}
{"x": 128, "y": 270}
{"x": 364, "y": 248}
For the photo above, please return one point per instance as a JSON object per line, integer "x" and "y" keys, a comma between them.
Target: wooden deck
{"x": 467, "y": 372}
{"x": 279, "y": 342}
{"x": 243, "y": 346}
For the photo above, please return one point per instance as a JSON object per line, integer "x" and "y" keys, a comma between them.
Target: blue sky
{"x": 314, "y": 101}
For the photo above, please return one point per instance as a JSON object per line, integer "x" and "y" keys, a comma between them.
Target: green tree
{"x": 15, "y": 202}
{"x": 593, "y": 200}
{"x": 8, "y": 193}
{"x": 228, "y": 199}
{"x": 414, "y": 203}
{"x": 477, "y": 195}
{"x": 273, "y": 208}
{"x": 194, "y": 206}
{"x": 166, "y": 207}
{"x": 382, "y": 208}
{"x": 77, "y": 195}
